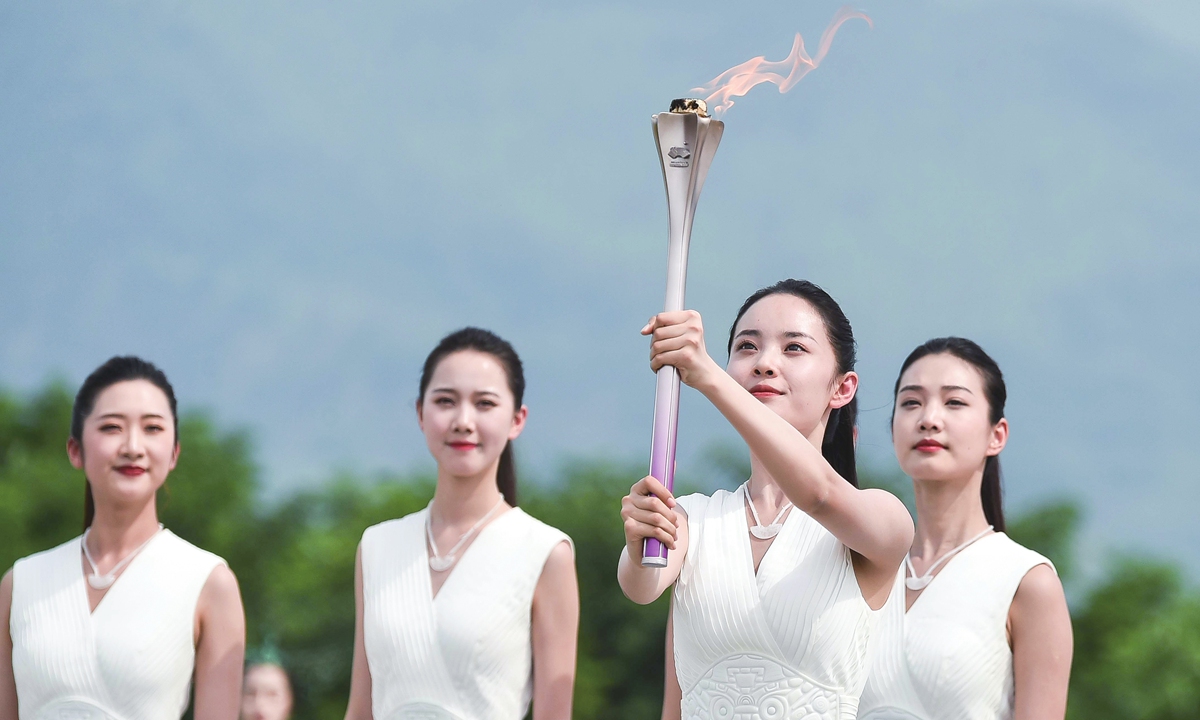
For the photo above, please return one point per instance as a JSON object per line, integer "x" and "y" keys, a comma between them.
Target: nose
{"x": 931, "y": 418}
{"x": 764, "y": 364}
{"x": 464, "y": 419}
{"x": 133, "y": 445}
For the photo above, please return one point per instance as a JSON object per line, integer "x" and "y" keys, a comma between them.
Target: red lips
{"x": 131, "y": 470}
{"x": 463, "y": 446}
{"x": 761, "y": 391}
{"x": 929, "y": 445}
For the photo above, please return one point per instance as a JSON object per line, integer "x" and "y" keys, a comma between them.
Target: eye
{"x": 153, "y": 428}
{"x": 443, "y": 402}
{"x": 794, "y": 347}
{"x": 485, "y": 404}
{"x": 910, "y": 403}
{"x": 955, "y": 402}
{"x": 110, "y": 427}
{"x": 745, "y": 345}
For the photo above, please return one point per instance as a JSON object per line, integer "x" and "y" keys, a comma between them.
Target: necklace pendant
{"x": 440, "y": 564}
{"x": 918, "y": 583}
{"x": 765, "y": 532}
{"x": 101, "y": 582}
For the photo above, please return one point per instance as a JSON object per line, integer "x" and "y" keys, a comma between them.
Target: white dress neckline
{"x": 463, "y": 557}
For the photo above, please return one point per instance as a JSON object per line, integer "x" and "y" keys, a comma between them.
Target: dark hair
{"x": 838, "y": 444}
{"x": 485, "y": 341}
{"x": 115, "y": 370}
{"x": 996, "y": 394}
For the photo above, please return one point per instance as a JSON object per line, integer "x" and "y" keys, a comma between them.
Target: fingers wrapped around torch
{"x": 677, "y": 339}
{"x": 648, "y": 512}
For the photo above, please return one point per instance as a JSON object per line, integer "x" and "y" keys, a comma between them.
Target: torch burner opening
{"x": 690, "y": 105}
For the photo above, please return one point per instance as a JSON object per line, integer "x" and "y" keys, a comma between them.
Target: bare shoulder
{"x": 560, "y": 562}
{"x": 1039, "y": 589}
{"x": 221, "y": 588}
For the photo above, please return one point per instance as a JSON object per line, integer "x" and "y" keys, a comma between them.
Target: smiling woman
{"x": 772, "y": 620}
{"x": 977, "y": 626}
{"x": 119, "y": 622}
{"x": 468, "y": 608}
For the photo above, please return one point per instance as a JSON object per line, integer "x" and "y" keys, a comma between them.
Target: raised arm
{"x": 359, "y": 706}
{"x": 555, "y": 636}
{"x": 1042, "y": 645}
{"x": 8, "y": 683}
{"x": 220, "y": 647}
{"x": 872, "y": 523}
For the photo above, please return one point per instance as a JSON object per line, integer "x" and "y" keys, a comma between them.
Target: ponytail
{"x": 506, "y": 475}
{"x": 990, "y": 494}
{"x": 838, "y": 445}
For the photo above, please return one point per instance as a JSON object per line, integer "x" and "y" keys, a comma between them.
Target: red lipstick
{"x": 929, "y": 445}
{"x": 764, "y": 391}
{"x": 463, "y": 446}
{"x": 131, "y": 470}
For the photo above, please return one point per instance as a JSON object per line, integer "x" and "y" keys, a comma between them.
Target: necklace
{"x": 915, "y": 582}
{"x": 760, "y": 531}
{"x": 105, "y": 581}
{"x": 440, "y": 562}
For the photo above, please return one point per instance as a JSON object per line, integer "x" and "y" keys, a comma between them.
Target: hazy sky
{"x": 286, "y": 205}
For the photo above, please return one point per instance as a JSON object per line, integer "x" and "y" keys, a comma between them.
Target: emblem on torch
{"x": 687, "y": 140}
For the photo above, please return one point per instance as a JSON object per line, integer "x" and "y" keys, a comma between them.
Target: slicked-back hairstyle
{"x": 118, "y": 369}
{"x": 838, "y": 444}
{"x": 485, "y": 341}
{"x": 994, "y": 390}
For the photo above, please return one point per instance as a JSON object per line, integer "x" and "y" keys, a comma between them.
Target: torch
{"x": 687, "y": 139}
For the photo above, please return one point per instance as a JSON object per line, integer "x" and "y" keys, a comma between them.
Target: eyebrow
{"x": 917, "y": 388}
{"x": 455, "y": 392}
{"x": 788, "y": 334}
{"x": 122, "y": 415}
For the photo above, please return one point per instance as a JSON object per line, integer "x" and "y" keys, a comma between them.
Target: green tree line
{"x": 1137, "y": 632}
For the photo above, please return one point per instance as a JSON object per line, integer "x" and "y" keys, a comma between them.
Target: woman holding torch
{"x": 977, "y": 626}
{"x": 469, "y": 608}
{"x": 770, "y": 619}
{"x": 122, "y": 621}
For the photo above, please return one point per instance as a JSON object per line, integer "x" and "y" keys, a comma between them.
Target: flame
{"x": 737, "y": 81}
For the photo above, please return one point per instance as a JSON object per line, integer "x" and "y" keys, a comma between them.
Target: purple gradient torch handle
{"x": 687, "y": 139}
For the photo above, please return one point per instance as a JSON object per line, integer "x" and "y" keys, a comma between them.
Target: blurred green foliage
{"x": 1137, "y": 633}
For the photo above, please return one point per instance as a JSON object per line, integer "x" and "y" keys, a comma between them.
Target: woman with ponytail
{"x": 769, "y": 619}
{"x": 119, "y": 623}
{"x": 977, "y": 627}
{"x": 469, "y": 608}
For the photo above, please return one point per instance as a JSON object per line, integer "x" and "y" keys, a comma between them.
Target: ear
{"x": 174, "y": 456}
{"x": 844, "y": 392}
{"x": 518, "y": 424}
{"x": 75, "y": 453}
{"x": 420, "y": 416}
{"x": 998, "y": 439}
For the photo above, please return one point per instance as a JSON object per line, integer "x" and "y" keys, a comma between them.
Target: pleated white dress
{"x": 788, "y": 644}
{"x": 466, "y": 654}
{"x": 948, "y": 657}
{"x": 131, "y": 659}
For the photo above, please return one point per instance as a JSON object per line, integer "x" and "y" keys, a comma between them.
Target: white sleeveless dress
{"x": 131, "y": 659}
{"x": 948, "y": 657}
{"x": 467, "y": 654}
{"x": 789, "y": 644}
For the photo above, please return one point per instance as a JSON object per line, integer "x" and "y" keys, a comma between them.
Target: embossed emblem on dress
{"x": 754, "y": 687}
{"x": 73, "y": 710}
{"x": 889, "y": 713}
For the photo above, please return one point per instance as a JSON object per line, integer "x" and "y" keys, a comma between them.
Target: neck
{"x": 463, "y": 500}
{"x": 948, "y": 514}
{"x": 764, "y": 491}
{"x": 118, "y": 530}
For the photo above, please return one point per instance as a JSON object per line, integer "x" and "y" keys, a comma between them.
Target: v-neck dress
{"x": 789, "y": 643}
{"x": 948, "y": 657}
{"x": 131, "y": 659}
{"x": 466, "y": 654}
